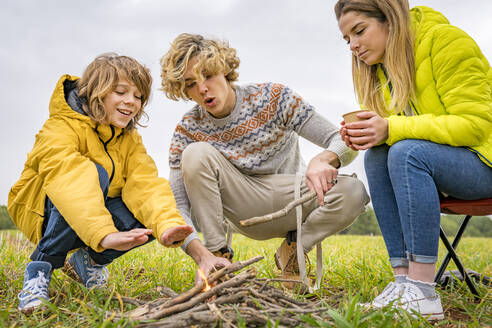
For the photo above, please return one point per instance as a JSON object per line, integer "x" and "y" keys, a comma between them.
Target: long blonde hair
{"x": 101, "y": 77}
{"x": 214, "y": 57}
{"x": 399, "y": 61}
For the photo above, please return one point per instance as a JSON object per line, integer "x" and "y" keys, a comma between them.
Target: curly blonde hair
{"x": 101, "y": 77}
{"x": 213, "y": 57}
{"x": 399, "y": 61}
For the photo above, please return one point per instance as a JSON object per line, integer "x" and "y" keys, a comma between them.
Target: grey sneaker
{"x": 37, "y": 278}
{"x": 390, "y": 294}
{"x": 79, "y": 268}
{"x": 413, "y": 301}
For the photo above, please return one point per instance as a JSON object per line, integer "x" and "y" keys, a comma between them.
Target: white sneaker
{"x": 390, "y": 294}
{"x": 413, "y": 301}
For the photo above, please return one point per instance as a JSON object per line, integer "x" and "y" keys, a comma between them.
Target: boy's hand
{"x": 176, "y": 234}
{"x": 125, "y": 240}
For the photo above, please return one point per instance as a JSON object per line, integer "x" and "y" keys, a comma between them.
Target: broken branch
{"x": 276, "y": 215}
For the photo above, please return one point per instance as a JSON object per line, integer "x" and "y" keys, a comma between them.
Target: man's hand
{"x": 321, "y": 173}
{"x": 365, "y": 134}
{"x": 205, "y": 260}
{"x": 125, "y": 240}
{"x": 209, "y": 264}
{"x": 175, "y": 234}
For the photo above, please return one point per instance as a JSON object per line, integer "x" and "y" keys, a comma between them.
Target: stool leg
{"x": 452, "y": 254}
{"x": 456, "y": 240}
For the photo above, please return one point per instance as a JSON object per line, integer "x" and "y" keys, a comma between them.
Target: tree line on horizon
{"x": 366, "y": 224}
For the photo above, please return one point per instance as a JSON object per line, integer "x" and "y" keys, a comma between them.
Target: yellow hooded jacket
{"x": 453, "y": 83}
{"x": 61, "y": 166}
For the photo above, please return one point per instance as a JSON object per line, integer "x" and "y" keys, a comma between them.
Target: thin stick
{"x": 188, "y": 320}
{"x": 214, "y": 309}
{"x": 161, "y": 304}
{"x": 224, "y": 299}
{"x": 166, "y": 291}
{"x": 163, "y": 312}
{"x": 279, "y": 280}
{"x": 295, "y": 310}
{"x": 129, "y": 300}
{"x": 265, "y": 297}
{"x": 276, "y": 215}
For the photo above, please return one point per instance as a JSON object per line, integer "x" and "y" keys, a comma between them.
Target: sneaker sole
{"x": 31, "y": 309}
{"x": 434, "y": 316}
{"x": 427, "y": 316}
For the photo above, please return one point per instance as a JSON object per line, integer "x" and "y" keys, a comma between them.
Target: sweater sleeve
{"x": 459, "y": 72}
{"x": 182, "y": 201}
{"x": 323, "y": 133}
{"x": 301, "y": 117}
{"x": 148, "y": 196}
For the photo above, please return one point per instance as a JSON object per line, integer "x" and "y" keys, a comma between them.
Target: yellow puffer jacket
{"x": 61, "y": 166}
{"x": 453, "y": 86}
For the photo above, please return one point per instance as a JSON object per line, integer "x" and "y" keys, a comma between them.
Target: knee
{"x": 401, "y": 148}
{"x": 354, "y": 198}
{"x": 375, "y": 158}
{"x": 405, "y": 152}
{"x": 195, "y": 156}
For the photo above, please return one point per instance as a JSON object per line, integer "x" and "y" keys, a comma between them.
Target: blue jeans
{"x": 404, "y": 182}
{"x": 59, "y": 238}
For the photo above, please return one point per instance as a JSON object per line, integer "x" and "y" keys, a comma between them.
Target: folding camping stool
{"x": 468, "y": 208}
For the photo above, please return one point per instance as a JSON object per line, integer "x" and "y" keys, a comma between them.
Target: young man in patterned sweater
{"x": 235, "y": 155}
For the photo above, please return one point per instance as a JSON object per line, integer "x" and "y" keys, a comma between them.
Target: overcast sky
{"x": 292, "y": 42}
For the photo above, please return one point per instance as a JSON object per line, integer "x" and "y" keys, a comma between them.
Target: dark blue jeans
{"x": 59, "y": 238}
{"x": 405, "y": 180}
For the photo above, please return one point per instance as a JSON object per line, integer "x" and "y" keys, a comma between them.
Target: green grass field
{"x": 355, "y": 270}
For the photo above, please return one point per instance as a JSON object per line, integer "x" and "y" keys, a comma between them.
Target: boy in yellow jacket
{"x": 88, "y": 182}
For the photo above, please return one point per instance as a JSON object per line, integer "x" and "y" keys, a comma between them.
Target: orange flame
{"x": 202, "y": 275}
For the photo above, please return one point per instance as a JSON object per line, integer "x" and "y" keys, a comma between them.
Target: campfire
{"x": 224, "y": 299}
{"x": 202, "y": 275}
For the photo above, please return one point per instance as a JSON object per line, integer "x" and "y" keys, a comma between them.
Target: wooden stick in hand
{"x": 283, "y": 212}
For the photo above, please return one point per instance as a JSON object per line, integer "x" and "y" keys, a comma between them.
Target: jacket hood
{"x": 66, "y": 102}
{"x": 72, "y": 96}
{"x": 423, "y": 19}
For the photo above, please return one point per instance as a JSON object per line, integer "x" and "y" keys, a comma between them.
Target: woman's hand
{"x": 321, "y": 174}
{"x": 365, "y": 134}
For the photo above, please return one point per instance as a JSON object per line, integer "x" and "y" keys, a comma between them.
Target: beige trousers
{"x": 217, "y": 190}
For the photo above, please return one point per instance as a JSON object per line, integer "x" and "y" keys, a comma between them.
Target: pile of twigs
{"x": 234, "y": 298}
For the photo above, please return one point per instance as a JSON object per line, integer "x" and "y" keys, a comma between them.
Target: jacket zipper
{"x": 105, "y": 144}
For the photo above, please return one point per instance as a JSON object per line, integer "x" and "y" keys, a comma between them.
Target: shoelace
{"x": 391, "y": 292}
{"x": 98, "y": 276}
{"x": 35, "y": 288}
{"x": 409, "y": 295}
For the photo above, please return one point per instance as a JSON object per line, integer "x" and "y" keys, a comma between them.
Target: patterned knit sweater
{"x": 259, "y": 136}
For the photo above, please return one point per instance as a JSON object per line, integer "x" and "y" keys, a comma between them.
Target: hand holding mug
{"x": 363, "y": 129}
